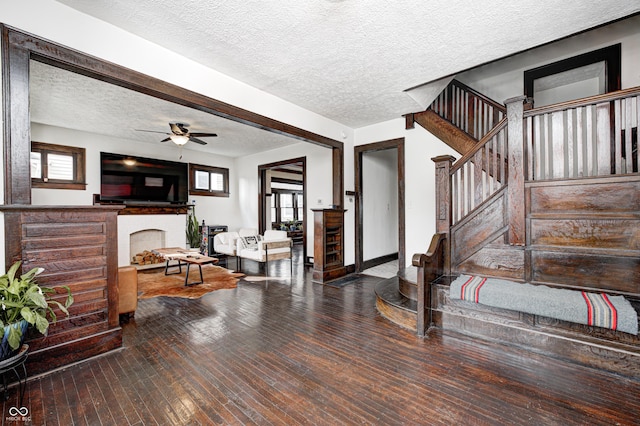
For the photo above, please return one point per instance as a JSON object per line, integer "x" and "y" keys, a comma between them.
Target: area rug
{"x": 594, "y": 309}
{"x": 156, "y": 283}
{"x": 341, "y": 282}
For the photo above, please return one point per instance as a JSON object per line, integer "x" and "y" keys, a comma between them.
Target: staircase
{"x": 460, "y": 117}
{"x": 464, "y": 119}
{"x": 548, "y": 196}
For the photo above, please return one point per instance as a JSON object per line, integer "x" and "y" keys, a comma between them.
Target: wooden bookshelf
{"x": 328, "y": 249}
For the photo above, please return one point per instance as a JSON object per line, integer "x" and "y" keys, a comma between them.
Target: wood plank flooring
{"x": 288, "y": 352}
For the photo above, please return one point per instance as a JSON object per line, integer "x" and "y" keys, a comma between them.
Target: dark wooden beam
{"x": 19, "y": 48}
{"x": 17, "y": 126}
{"x": 445, "y": 131}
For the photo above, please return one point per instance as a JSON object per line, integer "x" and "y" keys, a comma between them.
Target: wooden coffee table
{"x": 185, "y": 257}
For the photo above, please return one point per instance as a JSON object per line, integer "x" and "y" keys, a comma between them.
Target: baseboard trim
{"x": 379, "y": 260}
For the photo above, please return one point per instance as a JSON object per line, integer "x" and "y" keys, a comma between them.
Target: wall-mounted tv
{"x": 138, "y": 180}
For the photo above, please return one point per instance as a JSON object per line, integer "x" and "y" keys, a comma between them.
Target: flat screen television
{"x": 138, "y": 180}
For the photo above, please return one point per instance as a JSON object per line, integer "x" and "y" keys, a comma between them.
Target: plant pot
{"x": 5, "y": 349}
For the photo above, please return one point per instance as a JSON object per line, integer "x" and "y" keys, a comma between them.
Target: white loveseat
{"x": 273, "y": 245}
{"x": 225, "y": 243}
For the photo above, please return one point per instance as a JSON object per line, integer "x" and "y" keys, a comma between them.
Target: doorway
{"x": 380, "y": 211}
{"x": 282, "y": 199}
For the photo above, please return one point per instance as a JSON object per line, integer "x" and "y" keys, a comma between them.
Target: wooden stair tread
{"x": 394, "y": 306}
{"x": 387, "y": 290}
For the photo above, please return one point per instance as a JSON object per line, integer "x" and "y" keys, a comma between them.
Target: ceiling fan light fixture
{"x": 179, "y": 139}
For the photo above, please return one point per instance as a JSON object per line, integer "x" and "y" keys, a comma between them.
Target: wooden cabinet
{"x": 328, "y": 247}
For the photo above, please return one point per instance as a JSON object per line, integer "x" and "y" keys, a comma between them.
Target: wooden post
{"x": 515, "y": 177}
{"x": 443, "y": 192}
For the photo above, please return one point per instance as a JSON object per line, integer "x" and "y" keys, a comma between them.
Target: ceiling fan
{"x": 180, "y": 134}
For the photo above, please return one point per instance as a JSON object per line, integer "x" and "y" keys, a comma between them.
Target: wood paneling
{"x": 499, "y": 261}
{"x": 77, "y": 247}
{"x": 479, "y": 229}
{"x": 608, "y": 272}
{"x": 613, "y": 195}
{"x": 586, "y": 235}
{"x": 610, "y": 233}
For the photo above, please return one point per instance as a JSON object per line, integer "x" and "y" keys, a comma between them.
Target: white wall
{"x": 505, "y": 79}
{"x": 379, "y": 203}
{"x": 214, "y": 210}
{"x": 318, "y": 184}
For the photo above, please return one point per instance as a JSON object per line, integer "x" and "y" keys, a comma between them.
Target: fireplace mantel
{"x": 143, "y": 209}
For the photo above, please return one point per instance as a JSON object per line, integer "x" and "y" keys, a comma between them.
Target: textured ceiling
{"x": 350, "y": 60}
{"x": 65, "y": 99}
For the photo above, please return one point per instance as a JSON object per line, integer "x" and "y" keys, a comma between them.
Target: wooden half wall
{"x": 585, "y": 233}
{"x": 581, "y": 234}
{"x": 77, "y": 247}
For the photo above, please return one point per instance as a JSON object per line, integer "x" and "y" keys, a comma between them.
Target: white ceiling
{"x": 348, "y": 60}
{"x": 65, "y": 99}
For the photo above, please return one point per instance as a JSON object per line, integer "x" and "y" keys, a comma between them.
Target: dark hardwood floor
{"x": 294, "y": 352}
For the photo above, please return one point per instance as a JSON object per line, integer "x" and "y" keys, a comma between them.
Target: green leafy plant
{"x": 193, "y": 230}
{"x": 21, "y": 298}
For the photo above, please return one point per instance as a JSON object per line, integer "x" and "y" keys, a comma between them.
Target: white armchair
{"x": 274, "y": 245}
{"x": 226, "y": 243}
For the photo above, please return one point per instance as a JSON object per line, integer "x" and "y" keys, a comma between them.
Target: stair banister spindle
{"x": 515, "y": 175}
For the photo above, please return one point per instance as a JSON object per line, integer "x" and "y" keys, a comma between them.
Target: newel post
{"x": 516, "y": 161}
{"x": 443, "y": 192}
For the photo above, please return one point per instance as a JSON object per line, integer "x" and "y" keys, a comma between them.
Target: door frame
{"x": 358, "y": 152}
{"x": 263, "y": 194}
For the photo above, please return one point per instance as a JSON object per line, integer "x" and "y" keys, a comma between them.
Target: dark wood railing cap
{"x": 441, "y": 158}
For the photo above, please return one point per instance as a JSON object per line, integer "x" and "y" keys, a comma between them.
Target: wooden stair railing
{"x": 480, "y": 173}
{"x": 596, "y": 136}
{"x": 469, "y": 110}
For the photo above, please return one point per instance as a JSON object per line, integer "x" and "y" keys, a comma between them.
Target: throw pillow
{"x": 251, "y": 242}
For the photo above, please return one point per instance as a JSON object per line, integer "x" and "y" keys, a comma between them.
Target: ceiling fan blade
{"x": 203, "y": 135}
{"x": 196, "y": 140}
{"x": 165, "y": 140}
{"x": 150, "y": 131}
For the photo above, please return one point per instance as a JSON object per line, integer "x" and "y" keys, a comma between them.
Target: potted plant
{"x": 24, "y": 303}
{"x": 193, "y": 230}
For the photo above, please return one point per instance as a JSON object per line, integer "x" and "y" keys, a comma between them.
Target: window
{"x": 577, "y": 77}
{"x": 207, "y": 180}
{"x": 286, "y": 206}
{"x": 57, "y": 166}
